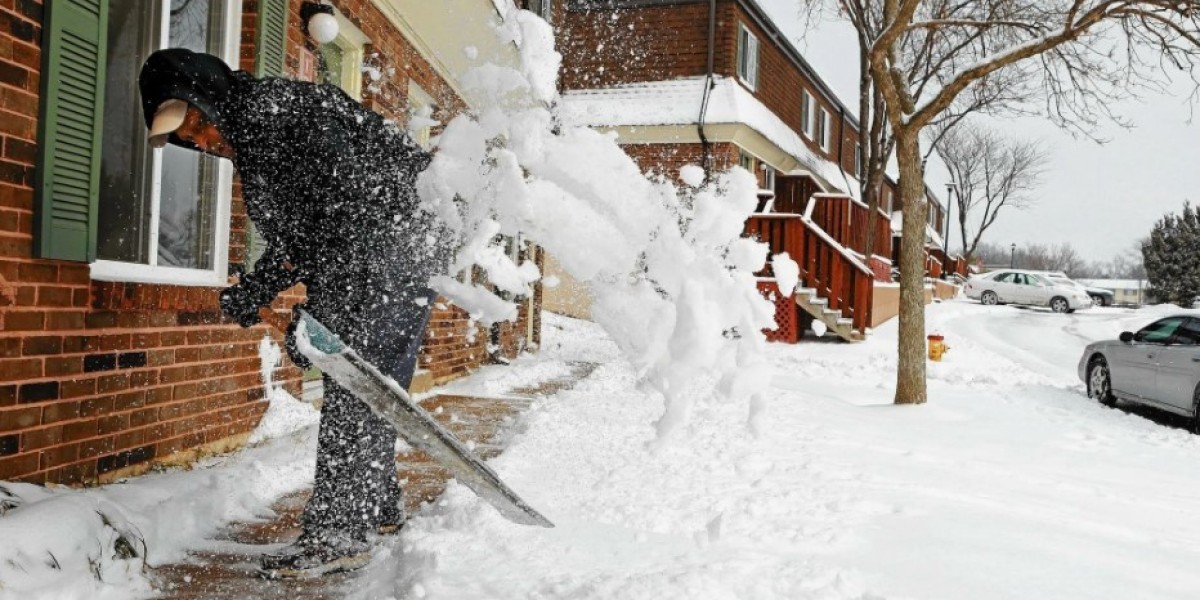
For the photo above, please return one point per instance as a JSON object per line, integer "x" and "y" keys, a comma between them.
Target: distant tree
{"x": 1172, "y": 257}
{"x": 990, "y": 172}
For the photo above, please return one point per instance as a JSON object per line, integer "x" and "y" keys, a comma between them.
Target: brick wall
{"x": 667, "y": 159}
{"x": 99, "y": 379}
{"x": 607, "y": 47}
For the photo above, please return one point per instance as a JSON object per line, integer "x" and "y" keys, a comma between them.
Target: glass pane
{"x": 188, "y": 198}
{"x": 334, "y": 59}
{"x": 1159, "y": 332}
{"x": 125, "y": 193}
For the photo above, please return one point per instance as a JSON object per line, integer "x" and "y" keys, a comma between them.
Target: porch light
{"x": 319, "y": 22}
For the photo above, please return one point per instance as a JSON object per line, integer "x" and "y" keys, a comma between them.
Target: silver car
{"x": 1158, "y": 366}
{"x": 1018, "y": 286}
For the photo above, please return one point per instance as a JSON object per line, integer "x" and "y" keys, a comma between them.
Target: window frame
{"x": 352, "y": 42}
{"x": 152, "y": 272}
{"x": 824, "y": 124}
{"x": 806, "y": 113}
{"x": 747, "y": 63}
{"x": 1138, "y": 336}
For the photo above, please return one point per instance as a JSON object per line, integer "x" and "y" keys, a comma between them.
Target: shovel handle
{"x": 274, "y": 319}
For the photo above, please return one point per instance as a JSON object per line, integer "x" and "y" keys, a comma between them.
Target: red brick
{"x": 74, "y": 388}
{"x": 35, "y": 439}
{"x": 57, "y": 366}
{"x": 16, "y": 466}
{"x": 96, "y": 447}
{"x": 96, "y": 406}
{"x": 59, "y": 455}
{"x": 16, "y": 369}
{"x": 78, "y": 430}
{"x": 24, "y": 320}
{"x": 39, "y": 345}
{"x": 16, "y": 419}
{"x": 60, "y": 411}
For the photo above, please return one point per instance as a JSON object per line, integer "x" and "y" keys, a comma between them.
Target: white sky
{"x": 1099, "y": 198}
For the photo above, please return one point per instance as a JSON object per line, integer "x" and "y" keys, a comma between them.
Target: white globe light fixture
{"x": 323, "y": 28}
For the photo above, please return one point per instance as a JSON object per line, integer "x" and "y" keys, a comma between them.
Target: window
{"x": 747, "y": 57}
{"x": 540, "y": 8}
{"x": 1189, "y": 333}
{"x": 768, "y": 177}
{"x": 420, "y": 114}
{"x": 341, "y": 60}
{"x": 806, "y": 113}
{"x": 1158, "y": 332}
{"x": 163, "y": 215}
{"x": 858, "y": 161}
{"x": 823, "y": 127}
{"x": 746, "y": 161}
{"x": 1006, "y": 278}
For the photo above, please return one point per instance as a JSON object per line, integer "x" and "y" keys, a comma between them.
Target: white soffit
{"x": 443, "y": 30}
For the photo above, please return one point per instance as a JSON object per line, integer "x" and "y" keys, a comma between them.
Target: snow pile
{"x": 67, "y": 543}
{"x": 285, "y": 414}
{"x": 670, "y": 276}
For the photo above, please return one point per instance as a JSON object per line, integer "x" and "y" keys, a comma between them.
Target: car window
{"x": 1158, "y": 332}
{"x": 1033, "y": 280}
{"x": 1188, "y": 333}
{"x": 1005, "y": 277}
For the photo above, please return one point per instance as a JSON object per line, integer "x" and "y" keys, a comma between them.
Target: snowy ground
{"x": 1008, "y": 484}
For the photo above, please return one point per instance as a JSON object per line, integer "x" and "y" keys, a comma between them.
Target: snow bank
{"x": 62, "y": 543}
{"x": 666, "y": 266}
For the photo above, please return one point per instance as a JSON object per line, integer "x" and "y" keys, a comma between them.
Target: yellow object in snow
{"x": 937, "y": 347}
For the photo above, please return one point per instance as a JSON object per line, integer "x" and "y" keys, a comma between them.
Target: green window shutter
{"x": 68, "y": 177}
{"x": 271, "y": 38}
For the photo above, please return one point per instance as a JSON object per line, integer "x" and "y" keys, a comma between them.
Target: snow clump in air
{"x": 670, "y": 276}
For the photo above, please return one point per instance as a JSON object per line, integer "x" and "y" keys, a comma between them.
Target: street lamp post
{"x": 1012, "y": 257}
{"x": 949, "y": 212}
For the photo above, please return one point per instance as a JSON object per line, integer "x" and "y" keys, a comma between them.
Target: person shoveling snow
{"x": 330, "y": 187}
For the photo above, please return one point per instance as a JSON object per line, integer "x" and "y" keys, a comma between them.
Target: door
{"x": 1134, "y": 365}
{"x": 1003, "y": 284}
{"x": 1178, "y": 365}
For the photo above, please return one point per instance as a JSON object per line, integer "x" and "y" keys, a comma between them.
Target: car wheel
{"x": 989, "y": 298}
{"x": 1099, "y": 383}
{"x": 1059, "y": 304}
{"x": 1098, "y": 300}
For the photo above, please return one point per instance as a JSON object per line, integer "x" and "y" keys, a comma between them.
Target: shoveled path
{"x": 231, "y": 571}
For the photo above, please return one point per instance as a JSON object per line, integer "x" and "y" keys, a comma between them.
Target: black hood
{"x": 202, "y": 80}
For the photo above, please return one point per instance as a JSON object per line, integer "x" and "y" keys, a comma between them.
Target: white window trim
{"x": 352, "y": 41}
{"x": 826, "y": 124}
{"x": 806, "y": 116}
{"x": 748, "y": 54}
{"x": 419, "y": 99}
{"x": 111, "y": 270}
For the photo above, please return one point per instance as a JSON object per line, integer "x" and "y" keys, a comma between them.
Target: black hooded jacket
{"x": 328, "y": 183}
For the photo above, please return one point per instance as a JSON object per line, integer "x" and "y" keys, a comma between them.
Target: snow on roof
{"x": 677, "y": 102}
{"x": 1116, "y": 284}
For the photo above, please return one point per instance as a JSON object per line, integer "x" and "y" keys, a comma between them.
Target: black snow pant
{"x": 355, "y": 489}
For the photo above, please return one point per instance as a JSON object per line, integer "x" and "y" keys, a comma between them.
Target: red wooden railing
{"x": 845, "y": 282}
{"x": 846, "y": 221}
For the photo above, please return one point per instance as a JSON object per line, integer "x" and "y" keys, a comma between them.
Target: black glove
{"x": 289, "y": 341}
{"x": 241, "y": 304}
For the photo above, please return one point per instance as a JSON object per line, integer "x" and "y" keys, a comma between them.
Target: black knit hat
{"x": 202, "y": 80}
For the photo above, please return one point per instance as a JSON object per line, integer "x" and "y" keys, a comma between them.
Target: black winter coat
{"x": 329, "y": 185}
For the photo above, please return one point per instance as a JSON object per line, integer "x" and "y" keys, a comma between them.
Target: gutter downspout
{"x": 705, "y": 146}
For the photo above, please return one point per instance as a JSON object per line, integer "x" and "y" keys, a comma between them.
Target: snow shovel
{"x": 388, "y": 400}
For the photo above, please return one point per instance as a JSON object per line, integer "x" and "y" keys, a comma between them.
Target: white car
{"x": 1159, "y": 366}
{"x": 1017, "y": 286}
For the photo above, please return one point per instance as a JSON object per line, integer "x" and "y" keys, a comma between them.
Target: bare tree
{"x": 991, "y": 172}
{"x": 928, "y": 58}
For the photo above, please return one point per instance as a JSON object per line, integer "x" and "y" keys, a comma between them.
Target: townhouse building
{"x": 114, "y": 354}
{"x": 716, "y": 83}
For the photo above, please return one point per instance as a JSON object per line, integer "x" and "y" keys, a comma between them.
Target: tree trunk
{"x": 910, "y": 370}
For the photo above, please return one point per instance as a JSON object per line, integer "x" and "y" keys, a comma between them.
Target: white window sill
{"x": 747, "y": 84}
{"x": 108, "y": 270}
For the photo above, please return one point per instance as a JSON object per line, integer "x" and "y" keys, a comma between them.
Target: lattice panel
{"x": 787, "y": 314}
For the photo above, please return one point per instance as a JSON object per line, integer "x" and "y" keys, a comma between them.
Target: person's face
{"x": 201, "y": 132}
